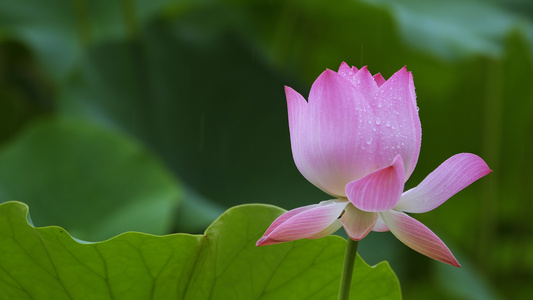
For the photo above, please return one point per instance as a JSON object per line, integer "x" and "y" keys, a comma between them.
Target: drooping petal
{"x": 418, "y": 237}
{"x": 358, "y": 223}
{"x": 453, "y": 175}
{"x": 303, "y": 222}
{"x": 379, "y": 190}
{"x": 331, "y": 229}
{"x": 329, "y": 134}
{"x": 398, "y": 129}
{"x": 380, "y": 225}
{"x": 284, "y": 217}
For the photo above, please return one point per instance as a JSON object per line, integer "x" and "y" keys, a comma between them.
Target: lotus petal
{"x": 303, "y": 222}
{"x": 453, "y": 175}
{"x": 418, "y": 237}
{"x": 358, "y": 223}
{"x": 379, "y": 190}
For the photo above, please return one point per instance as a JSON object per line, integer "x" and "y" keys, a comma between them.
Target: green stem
{"x": 347, "y": 269}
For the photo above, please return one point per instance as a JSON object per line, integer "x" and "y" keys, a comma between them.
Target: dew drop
{"x": 379, "y": 104}
{"x": 378, "y": 121}
{"x": 387, "y": 124}
{"x": 369, "y": 141}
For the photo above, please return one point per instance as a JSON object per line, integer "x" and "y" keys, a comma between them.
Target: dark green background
{"x": 109, "y": 106}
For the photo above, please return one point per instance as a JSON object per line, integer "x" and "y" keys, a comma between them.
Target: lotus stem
{"x": 347, "y": 269}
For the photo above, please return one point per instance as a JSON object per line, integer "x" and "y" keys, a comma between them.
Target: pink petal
{"x": 330, "y": 133}
{"x": 303, "y": 222}
{"x": 358, "y": 223}
{"x": 300, "y": 127}
{"x": 418, "y": 128}
{"x": 380, "y": 225}
{"x": 397, "y": 124}
{"x": 379, "y": 79}
{"x": 284, "y": 217}
{"x": 418, "y": 237}
{"x": 346, "y": 71}
{"x": 453, "y": 175}
{"x": 379, "y": 190}
{"x": 364, "y": 83}
{"x": 331, "y": 229}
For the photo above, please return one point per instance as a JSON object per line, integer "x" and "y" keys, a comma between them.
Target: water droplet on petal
{"x": 387, "y": 123}
{"x": 379, "y": 104}
{"x": 378, "y": 121}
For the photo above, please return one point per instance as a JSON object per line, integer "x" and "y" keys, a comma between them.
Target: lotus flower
{"x": 358, "y": 139}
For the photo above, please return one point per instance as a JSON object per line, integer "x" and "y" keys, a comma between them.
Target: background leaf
{"x": 46, "y": 263}
{"x": 94, "y": 182}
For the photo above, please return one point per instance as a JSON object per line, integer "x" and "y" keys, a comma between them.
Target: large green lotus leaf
{"x": 224, "y": 263}
{"x": 94, "y": 182}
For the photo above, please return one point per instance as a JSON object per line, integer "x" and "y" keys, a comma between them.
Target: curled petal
{"x": 358, "y": 223}
{"x": 380, "y": 225}
{"x": 453, "y": 175}
{"x": 418, "y": 237}
{"x": 378, "y": 78}
{"x": 397, "y": 125}
{"x": 329, "y": 134}
{"x": 379, "y": 190}
{"x": 303, "y": 222}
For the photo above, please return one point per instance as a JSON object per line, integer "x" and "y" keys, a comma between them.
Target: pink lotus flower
{"x": 358, "y": 139}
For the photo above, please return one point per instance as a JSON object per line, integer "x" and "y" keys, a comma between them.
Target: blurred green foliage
{"x": 198, "y": 87}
